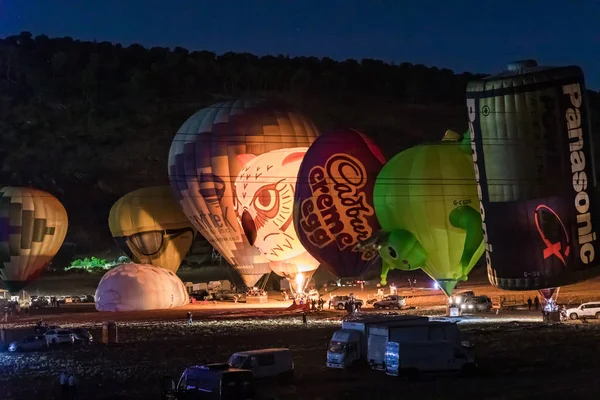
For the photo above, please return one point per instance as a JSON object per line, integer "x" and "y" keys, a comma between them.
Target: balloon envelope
{"x": 264, "y": 204}
{"x": 33, "y": 226}
{"x": 333, "y": 209}
{"x": 426, "y": 197}
{"x": 138, "y": 287}
{"x": 204, "y": 163}
{"x": 531, "y": 137}
{"x": 149, "y": 226}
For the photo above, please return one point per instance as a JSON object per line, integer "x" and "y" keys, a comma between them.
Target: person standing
{"x": 189, "y": 318}
{"x": 529, "y": 303}
{"x": 72, "y": 387}
{"x": 536, "y": 301}
{"x": 64, "y": 385}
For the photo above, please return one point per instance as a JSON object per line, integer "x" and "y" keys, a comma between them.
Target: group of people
{"x": 535, "y": 302}
{"x": 68, "y": 386}
{"x": 13, "y": 308}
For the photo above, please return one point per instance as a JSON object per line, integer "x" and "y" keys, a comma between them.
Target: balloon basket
{"x": 256, "y": 299}
{"x": 552, "y": 316}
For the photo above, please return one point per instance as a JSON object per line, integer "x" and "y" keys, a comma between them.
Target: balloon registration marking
{"x": 321, "y": 218}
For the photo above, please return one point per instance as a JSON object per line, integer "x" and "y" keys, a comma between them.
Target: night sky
{"x": 463, "y": 35}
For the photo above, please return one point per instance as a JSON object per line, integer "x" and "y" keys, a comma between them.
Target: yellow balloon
{"x": 150, "y": 227}
{"x": 33, "y": 226}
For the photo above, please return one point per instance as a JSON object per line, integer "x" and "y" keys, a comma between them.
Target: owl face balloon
{"x": 264, "y": 197}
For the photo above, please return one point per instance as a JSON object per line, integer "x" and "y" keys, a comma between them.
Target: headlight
{"x": 458, "y": 300}
{"x": 463, "y": 306}
{"x": 470, "y": 306}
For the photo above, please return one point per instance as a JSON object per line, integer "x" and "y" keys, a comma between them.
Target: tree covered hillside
{"x": 90, "y": 121}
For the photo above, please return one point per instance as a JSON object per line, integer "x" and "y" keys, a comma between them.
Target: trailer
{"x": 349, "y": 345}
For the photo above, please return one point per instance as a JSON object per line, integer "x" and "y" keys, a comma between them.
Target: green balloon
{"x": 402, "y": 251}
{"x": 426, "y": 198}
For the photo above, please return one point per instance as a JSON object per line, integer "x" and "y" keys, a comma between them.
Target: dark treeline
{"x": 90, "y": 121}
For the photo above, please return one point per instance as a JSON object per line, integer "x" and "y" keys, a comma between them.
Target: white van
{"x": 422, "y": 357}
{"x": 265, "y": 363}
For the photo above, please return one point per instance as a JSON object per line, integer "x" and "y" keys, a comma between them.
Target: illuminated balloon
{"x": 425, "y": 197}
{"x": 264, "y": 204}
{"x": 149, "y": 226}
{"x": 204, "y": 162}
{"x": 547, "y": 293}
{"x": 333, "y": 209}
{"x": 139, "y": 287}
{"x": 532, "y": 146}
{"x": 33, "y": 226}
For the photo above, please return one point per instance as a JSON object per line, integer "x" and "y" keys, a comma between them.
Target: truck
{"x": 411, "y": 358}
{"x": 349, "y": 345}
{"x": 430, "y": 331}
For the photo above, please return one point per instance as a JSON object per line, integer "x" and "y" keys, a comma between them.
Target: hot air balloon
{"x": 204, "y": 163}
{"x": 333, "y": 208}
{"x": 139, "y": 287}
{"x": 264, "y": 204}
{"x": 150, "y": 228}
{"x": 426, "y": 199}
{"x": 33, "y": 226}
{"x": 532, "y": 152}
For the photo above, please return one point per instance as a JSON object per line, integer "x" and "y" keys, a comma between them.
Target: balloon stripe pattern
{"x": 33, "y": 226}
{"x": 204, "y": 164}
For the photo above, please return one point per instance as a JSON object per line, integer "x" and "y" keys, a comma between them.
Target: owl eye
{"x": 266, "y": 201}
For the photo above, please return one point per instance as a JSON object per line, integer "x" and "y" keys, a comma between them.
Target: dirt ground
{"x": 520, "y": 358}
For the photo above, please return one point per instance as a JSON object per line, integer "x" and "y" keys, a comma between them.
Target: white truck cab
{"x": 349, "y": 345}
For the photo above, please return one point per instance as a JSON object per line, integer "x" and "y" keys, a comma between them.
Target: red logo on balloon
{"x": 553, "y": 248}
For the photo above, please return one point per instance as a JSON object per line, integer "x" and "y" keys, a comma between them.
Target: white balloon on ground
{"x": 138, "y": 287}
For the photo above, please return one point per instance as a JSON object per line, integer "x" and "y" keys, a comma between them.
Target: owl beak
{"x": 249, "y": 227}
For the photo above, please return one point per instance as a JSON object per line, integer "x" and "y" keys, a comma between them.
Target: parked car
{"x": 227, "y": 295}
{"x": 476, "y": 304}
{"x": 200, "y": 295}
{"x": 390, "y": 301}
{"x": 586, "y": 310}
{"x": 30, "y": 343}
{"x": 210, "y": 381}
{"x": 59, "y": 336}
{"x": 339, "y": 302}
{"x": 265, "y": 363}
{"x": 82, "y": 336}
{"x": 458, "y": 298}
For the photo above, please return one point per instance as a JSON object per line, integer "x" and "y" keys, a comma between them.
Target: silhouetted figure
{"x": 64, "y": 385}
{"x": 304, "y": 322}
{"x": 189, "y": 318}
{"x": 536, "y": 301}
{"x": 72, "y": 387}
{"x": 529, "y": 302}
